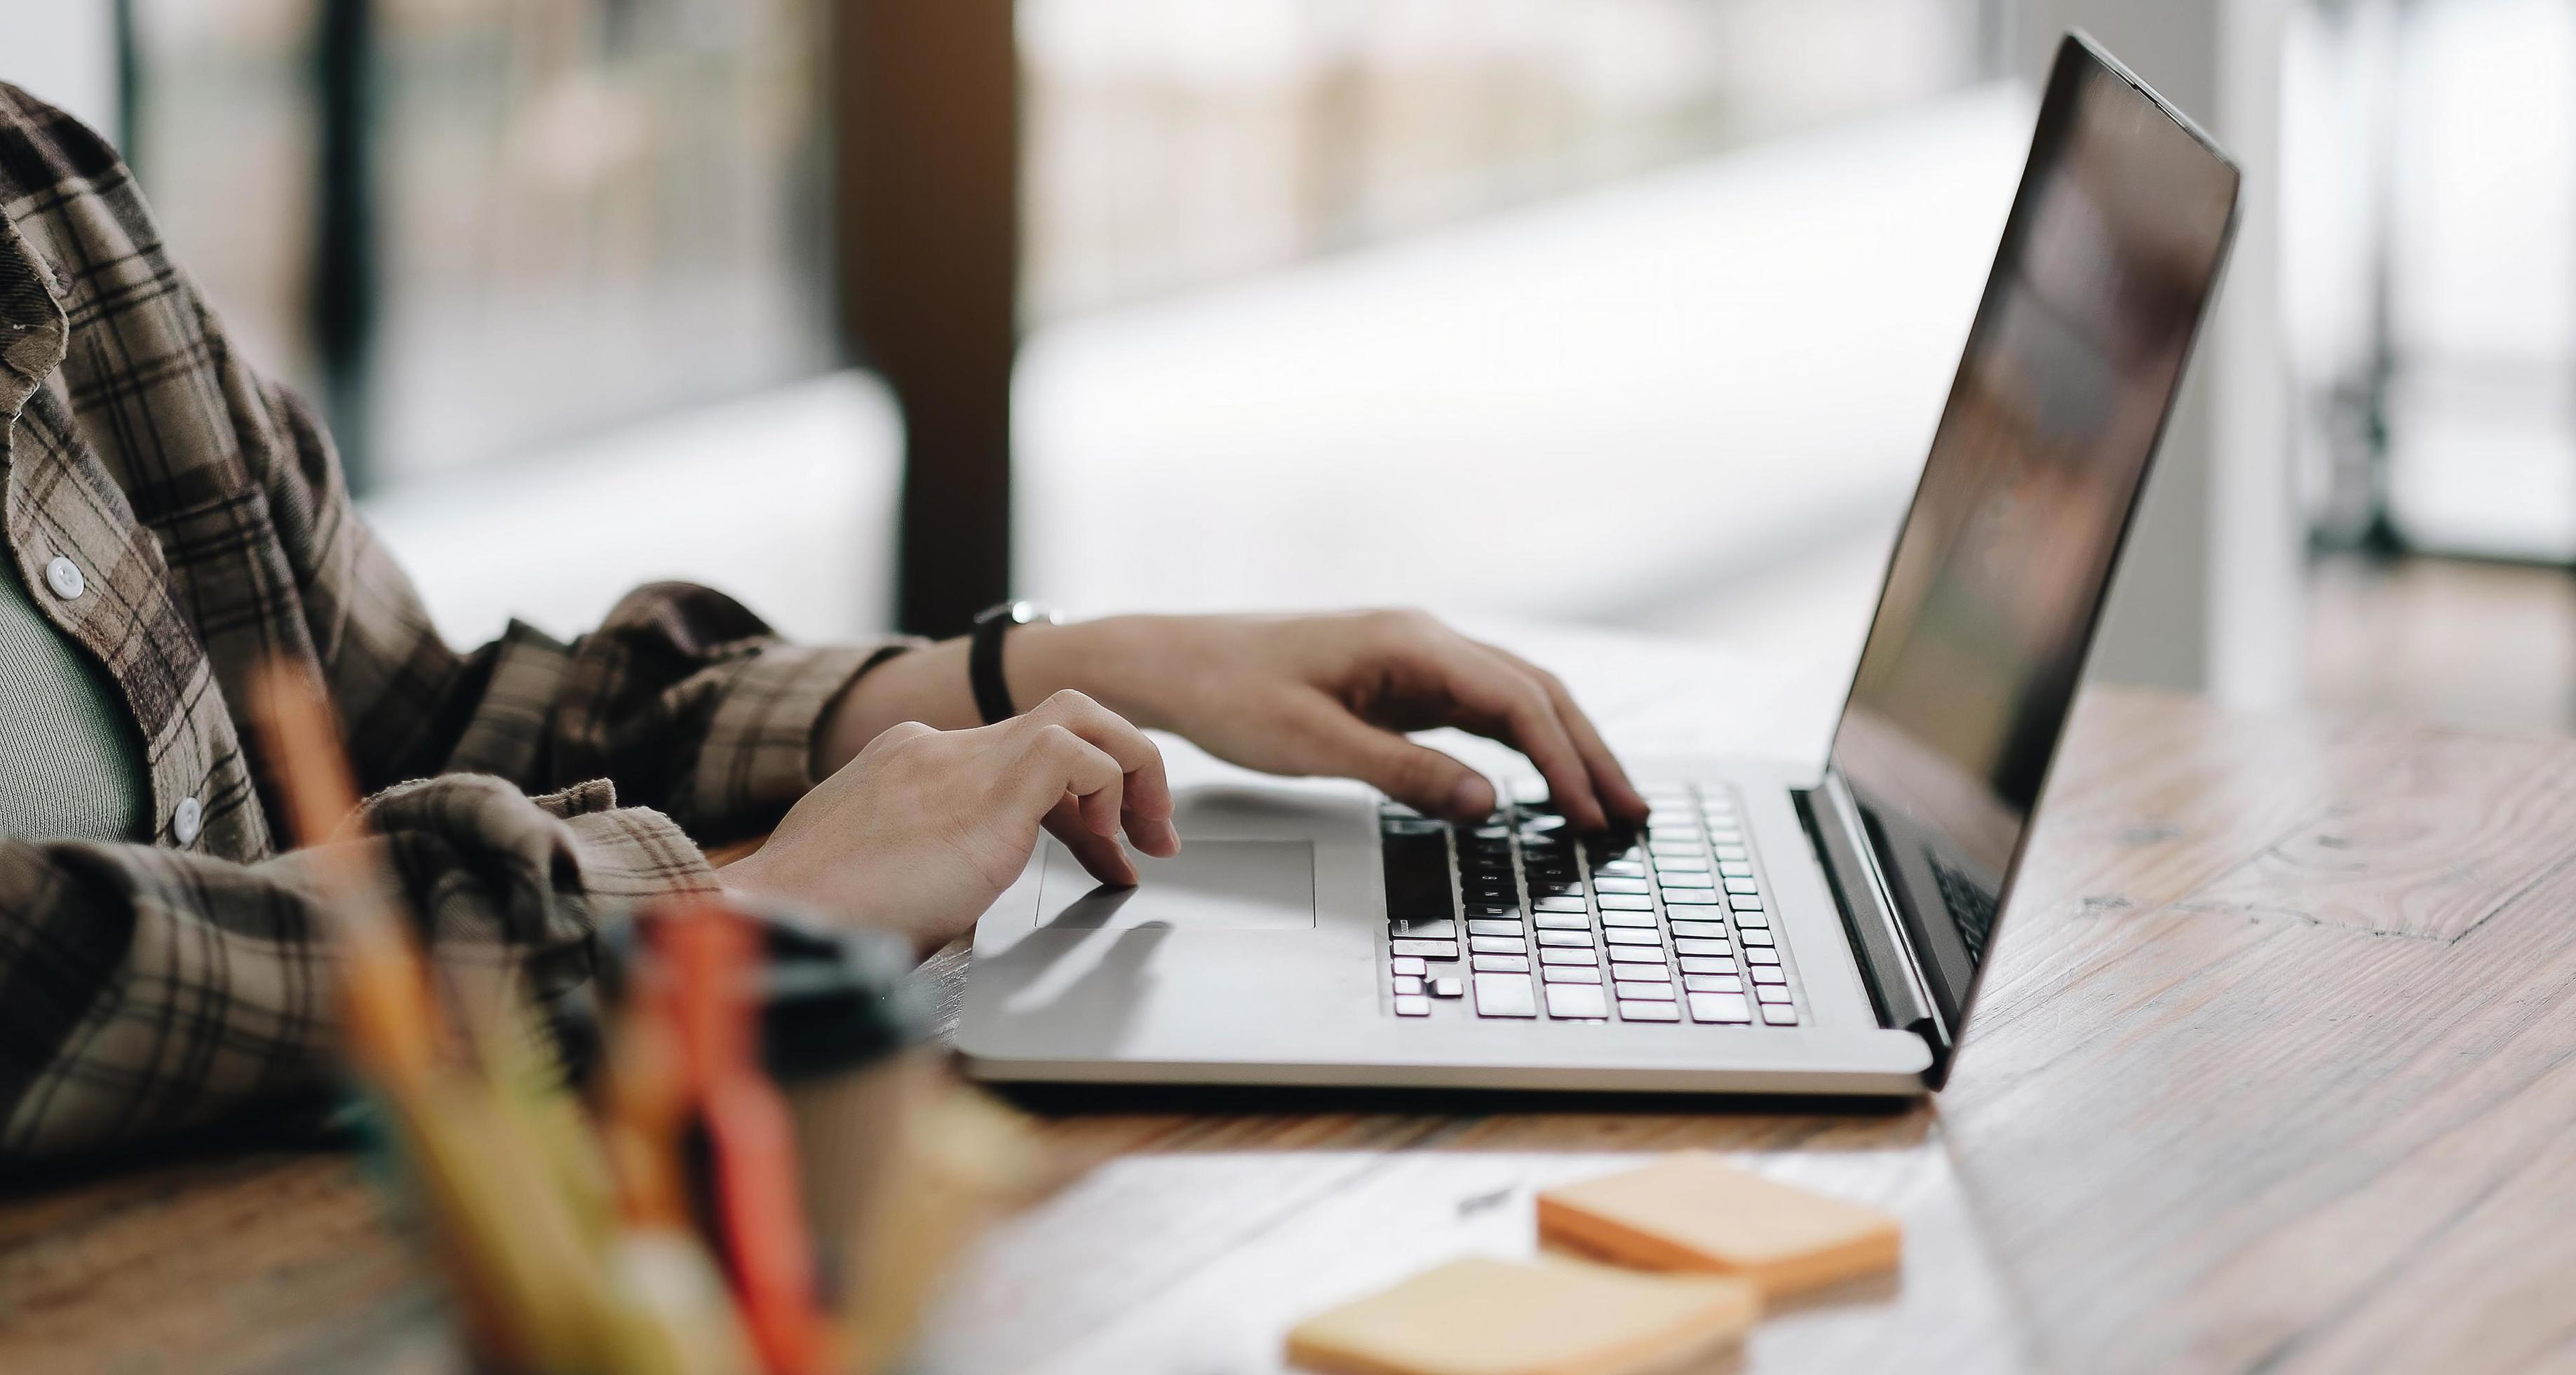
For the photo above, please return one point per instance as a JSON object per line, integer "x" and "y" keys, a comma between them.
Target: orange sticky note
{"x": 1499, "y": 1317}
{"x": 1695, "y": 1212}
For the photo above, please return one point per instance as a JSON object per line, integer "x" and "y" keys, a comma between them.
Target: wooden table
{"x": 2276, "y": 1069}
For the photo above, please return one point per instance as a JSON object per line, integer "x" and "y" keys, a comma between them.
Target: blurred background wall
{"x": 1627, "y": 312}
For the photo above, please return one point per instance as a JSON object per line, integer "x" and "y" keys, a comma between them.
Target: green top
{"x": 71, "y": 767}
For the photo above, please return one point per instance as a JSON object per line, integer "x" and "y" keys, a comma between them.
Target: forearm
{"x": 930, "y": 684}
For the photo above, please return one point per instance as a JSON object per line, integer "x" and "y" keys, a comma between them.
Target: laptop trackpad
{"x": 1214, "y": 885}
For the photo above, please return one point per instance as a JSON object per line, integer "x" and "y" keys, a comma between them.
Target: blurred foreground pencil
{"x": 531, "y": 1290}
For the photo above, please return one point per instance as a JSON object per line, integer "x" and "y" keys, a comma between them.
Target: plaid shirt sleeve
{"x": 153, "y": 985}
{"x": 152, "y": 990}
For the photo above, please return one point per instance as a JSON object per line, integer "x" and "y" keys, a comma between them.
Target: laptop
{"x": 1765, "y": 930}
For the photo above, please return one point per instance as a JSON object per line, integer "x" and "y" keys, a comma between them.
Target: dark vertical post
{"x": 342, "y": 307}
{"x": 927, "y": 211}
{"x": 129, "y": 85}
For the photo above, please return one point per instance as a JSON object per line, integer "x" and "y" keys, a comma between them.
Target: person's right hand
{"x": 922, "y": 830}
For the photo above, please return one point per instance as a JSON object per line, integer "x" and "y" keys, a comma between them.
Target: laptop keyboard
{"x": 1523, "y": 917}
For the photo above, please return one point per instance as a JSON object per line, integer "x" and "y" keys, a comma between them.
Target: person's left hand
{"x": 1333, "y": 695}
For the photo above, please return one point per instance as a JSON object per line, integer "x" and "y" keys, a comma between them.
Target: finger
{"x": 1101, "y": 855}
{"x": 1609, "y": 779}
{"x": 1501, "y": 701}
{"x": 1418, "y": 776}
{"x": 1056, "y": 761}
{"x": 1147, "y": 798}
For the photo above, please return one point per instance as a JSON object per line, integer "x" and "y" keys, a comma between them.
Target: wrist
{"x": 755, "y": 882}
{"x": 1086, "y": 655}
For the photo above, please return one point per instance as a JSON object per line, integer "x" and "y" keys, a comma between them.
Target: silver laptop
{"x": 1764, "y": 931}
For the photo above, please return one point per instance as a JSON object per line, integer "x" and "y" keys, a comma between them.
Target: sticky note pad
{"x": 1696, "y": 1212}
{"x": 1499, "y": 1317}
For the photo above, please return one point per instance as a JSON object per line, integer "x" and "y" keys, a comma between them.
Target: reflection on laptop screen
{"x": 2110, "y": 254}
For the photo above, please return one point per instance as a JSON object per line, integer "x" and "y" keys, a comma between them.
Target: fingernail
{"x": 1469, "y": 797}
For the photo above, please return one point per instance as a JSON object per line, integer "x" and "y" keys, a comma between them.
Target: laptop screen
{"x": 2110, "y": 253}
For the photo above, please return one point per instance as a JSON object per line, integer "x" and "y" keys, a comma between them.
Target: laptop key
{"x": 1408, "y": 964}
{"x": 1635, "y": 921}
{"x": 1633, "y": 935}
{"x": 1634, "y": 972}
{"x": 1706, "y": 964}
{"x": 1742, "y": 885}
{"x": 1675, "y": 879}
{"x": 1506, "y": 995}
{"x": 1423, "y": 928}
{"x": 1744, "y": 902}
{"x": 1566, "y": 938}
{"x": 1768, "y": 974}
{"x": 1626, "y": 902}
{"x": 1492, "y": 926}
{"x": 1558, "y": 954}
{"x": 1727, "y": 1008}
{"x": 1416, "y": 864}
{"x": 1620, "y": 868}
{"x": 1501, "y": 964}
{"x": 1577, "y": 1001}
{"x": 1771, "y": 993}
{"x": 1615, "y": 884}
{"x": 1758, "y": 955}
{"x": 1690, "y": 863}
{"x": 1735, "y": 868}
{"x": 1558, "y": 902}
{"x": 1407, "y": 984}
{"x": 1752, "y": 919}
{"x": 1496, "y": 945}
{"x": 1449, "y": 987}
{"x": 1715, "y": 983}
{"x": 1686, "y": 946}
{"x": 1564, "y": 921}
{"x": 1690, "y": 897}
{"x": 1642, "y": 1011}
{"x": 1413, "y": 1006}
{"x": 1651, "y": 992}
{"x": 1707, "y": 930}
{"x": 1755, "y": 936}
{"x": 1569, "y": 974}
{"x": 1779, "y": 1015}
{"x": 1429, "y": 950}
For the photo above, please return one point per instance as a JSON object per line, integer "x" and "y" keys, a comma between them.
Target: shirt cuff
{"x": 632, "y": 855}
{"x": 758, "y": 757}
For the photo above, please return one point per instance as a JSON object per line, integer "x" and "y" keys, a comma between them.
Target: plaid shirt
{"x": 149, "y": 986}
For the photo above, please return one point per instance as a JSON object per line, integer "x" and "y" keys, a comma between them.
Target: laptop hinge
{"x": 1887, "y": 962}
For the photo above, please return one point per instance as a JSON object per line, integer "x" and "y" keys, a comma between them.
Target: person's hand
{"x": 922, "y": 830}
{"x": 1333, "y": 695}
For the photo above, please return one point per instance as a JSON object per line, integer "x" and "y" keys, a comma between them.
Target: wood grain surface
{"x": 2276, "y": 1070}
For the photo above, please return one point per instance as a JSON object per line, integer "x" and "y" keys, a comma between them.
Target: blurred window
{"x": 2429, "y": 271}
{"x": 1171, "y": 143}
{"x": 583, "y": 211}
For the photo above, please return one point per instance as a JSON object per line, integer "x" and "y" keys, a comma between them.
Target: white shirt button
{"x": 186, "y": 819}
{"x": 64, "y": 576}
